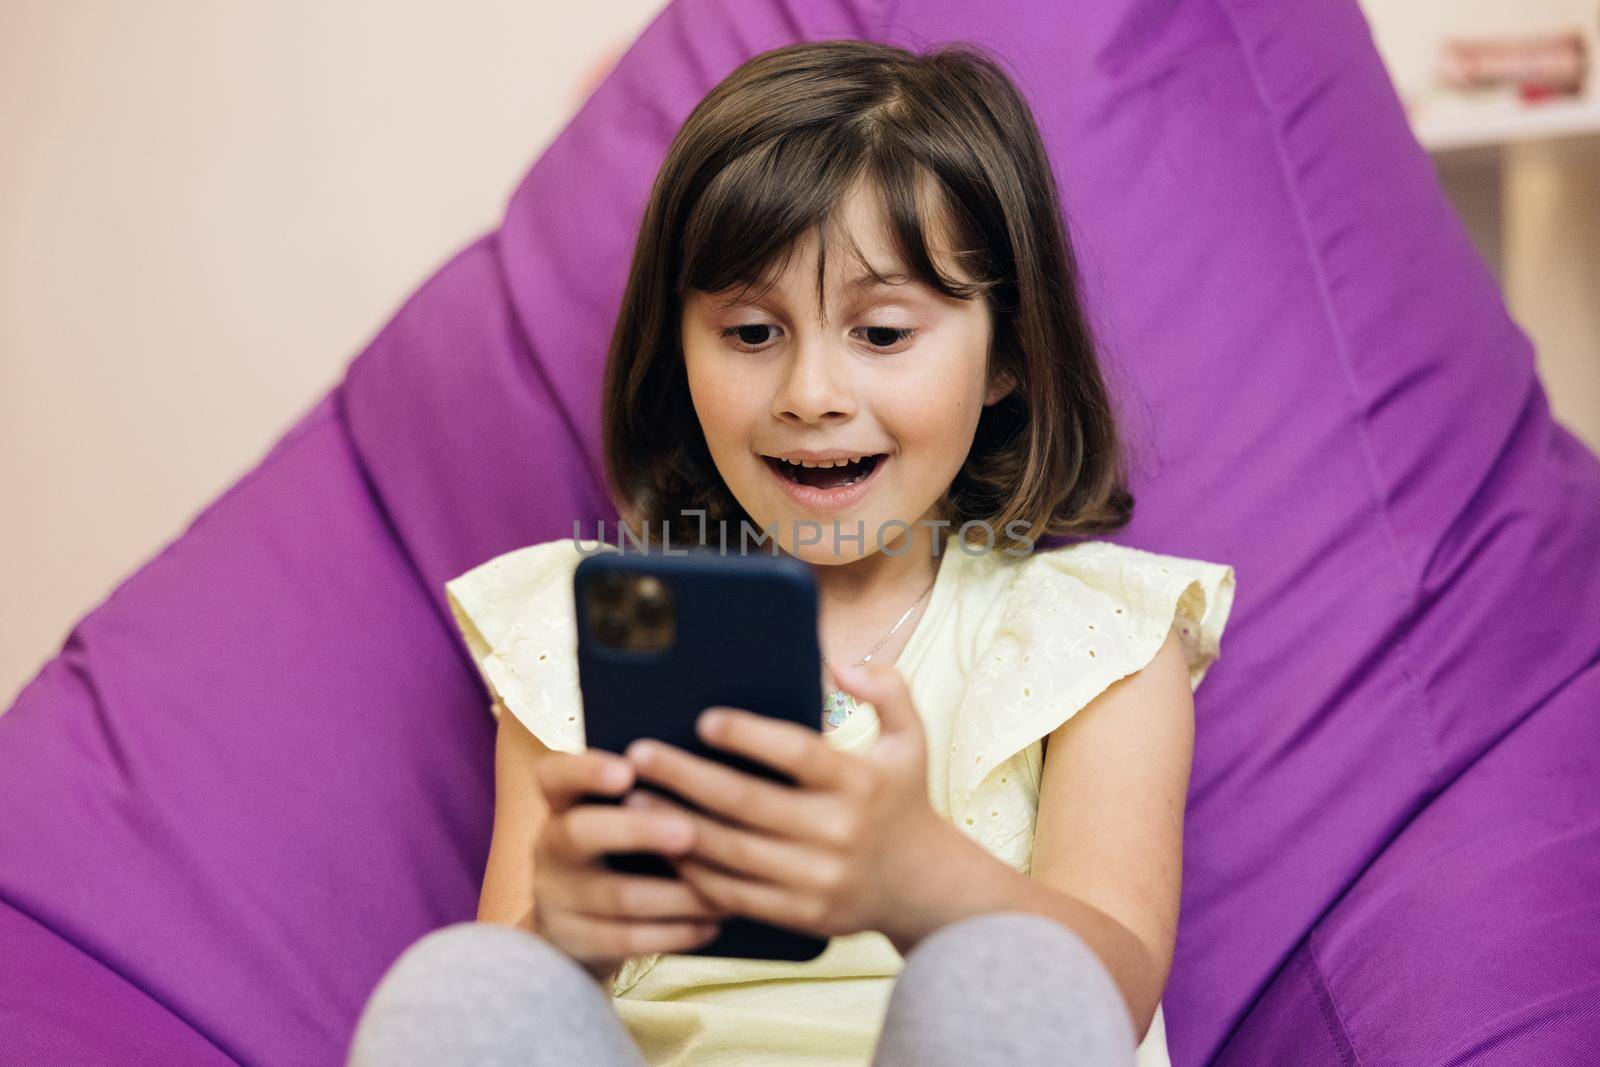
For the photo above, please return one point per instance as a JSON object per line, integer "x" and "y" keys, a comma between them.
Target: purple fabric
{"x": 61, "y": 1008}
{"x": 251, "y": 777}
{"x": 263, "y": 766}
{"x": 1475, "y": 936}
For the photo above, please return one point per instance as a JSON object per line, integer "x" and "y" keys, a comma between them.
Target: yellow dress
{"x": 1008, "y": 648}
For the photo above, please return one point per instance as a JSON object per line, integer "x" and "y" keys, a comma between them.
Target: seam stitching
{"x": 530, "y": 362}
{"x": 1327, "y": 1008}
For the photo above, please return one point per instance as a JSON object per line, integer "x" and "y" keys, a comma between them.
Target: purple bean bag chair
{"x": 262, "y": 767}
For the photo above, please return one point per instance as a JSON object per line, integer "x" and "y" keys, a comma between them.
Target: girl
{"x": 852, "y": 320}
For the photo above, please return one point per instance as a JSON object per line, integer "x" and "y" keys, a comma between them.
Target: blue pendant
{"x": 837, "y": 708}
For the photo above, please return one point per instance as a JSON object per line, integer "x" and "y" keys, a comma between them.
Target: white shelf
{"x": 1460, "y": 125}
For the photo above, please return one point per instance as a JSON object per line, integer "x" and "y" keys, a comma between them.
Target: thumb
{"x": 881, "y": 686}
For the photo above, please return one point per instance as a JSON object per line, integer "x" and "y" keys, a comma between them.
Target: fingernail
{"x": 614, "y": 776}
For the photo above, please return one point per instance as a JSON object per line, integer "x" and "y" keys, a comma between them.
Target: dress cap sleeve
{"x": 1075, "y": 620}
{"x": 515, "y": 613}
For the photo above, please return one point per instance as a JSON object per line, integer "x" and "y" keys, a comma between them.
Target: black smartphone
{"x": 663, "y": 636}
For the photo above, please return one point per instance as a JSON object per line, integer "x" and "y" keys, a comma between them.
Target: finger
{"x": 634, "y": 897}
{"x": 882, "y": 686}
{"x": 797, "y": 751}
{"x": 589, "y": 938}
{"x": 755, "y": 900}
{"x": 594, "y": 829}
{"x": 832, "y": 833}
{"x": 763, "y": 857}
{"x": 566, "y": 777}
{"x": 719, "y": 790}
{"x": 650, "y": 800}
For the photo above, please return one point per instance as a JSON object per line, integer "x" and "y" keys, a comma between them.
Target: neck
{"x": 859, "y": 602}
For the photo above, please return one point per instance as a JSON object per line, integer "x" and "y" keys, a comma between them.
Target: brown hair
{"x": 769, "y": 153}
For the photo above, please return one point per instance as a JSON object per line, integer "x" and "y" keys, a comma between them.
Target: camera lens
{"x": 652, "y": 612}
{"x": 650, "y": 602}
{"x": 612, "y": 627}
{"x": 609, "y": 588}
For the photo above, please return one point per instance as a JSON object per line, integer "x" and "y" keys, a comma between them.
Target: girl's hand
{"x": 839, "y": 852}
{"x": 596, "y": 915}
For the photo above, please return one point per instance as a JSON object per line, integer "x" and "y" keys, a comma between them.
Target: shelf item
{"x": 1548, "y": 64}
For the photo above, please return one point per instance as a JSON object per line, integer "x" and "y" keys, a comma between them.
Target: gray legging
{"x": 1006, "y": 988}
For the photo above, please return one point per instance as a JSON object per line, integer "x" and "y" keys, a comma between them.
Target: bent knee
{"x": 1051, "y": 966}
{"x": 469, "y": 959}
{"x": 1006, "y": 937}
{"x": 472, "y": 993}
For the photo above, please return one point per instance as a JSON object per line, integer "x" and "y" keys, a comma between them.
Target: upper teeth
{"x": 824, "y": 462}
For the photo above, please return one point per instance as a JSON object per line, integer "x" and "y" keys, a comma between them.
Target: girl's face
{"x": 893, "y": 371}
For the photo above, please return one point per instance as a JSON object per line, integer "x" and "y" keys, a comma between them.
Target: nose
{"x": 816, "y": 384}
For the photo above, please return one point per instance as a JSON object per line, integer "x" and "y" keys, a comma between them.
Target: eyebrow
{"x": 860, "y": 283}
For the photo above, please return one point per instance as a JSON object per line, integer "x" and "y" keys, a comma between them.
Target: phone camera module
{"x": 632, "y": 613}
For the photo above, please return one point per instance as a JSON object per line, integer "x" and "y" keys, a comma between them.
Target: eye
{"x": 895, "y": 334}
{"x": 745, "y": 331}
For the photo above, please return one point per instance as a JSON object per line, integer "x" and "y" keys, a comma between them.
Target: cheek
{"x": 936, "y": 416}
{"x": 719, "y": 402}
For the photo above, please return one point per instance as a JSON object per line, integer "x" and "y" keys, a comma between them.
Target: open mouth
{"x": 835, "y": 477}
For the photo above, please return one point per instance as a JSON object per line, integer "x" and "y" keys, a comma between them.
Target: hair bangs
{"x": 914, "y": 200}
{"x": 741, "y": 235}
{"x": 742, "y": 232}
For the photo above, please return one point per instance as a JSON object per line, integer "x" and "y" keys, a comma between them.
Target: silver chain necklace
{"x": 839, "y": 705}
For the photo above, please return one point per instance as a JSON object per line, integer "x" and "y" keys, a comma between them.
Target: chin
{"x": 822, "y": 553}
{"x": 788, "y": 525}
